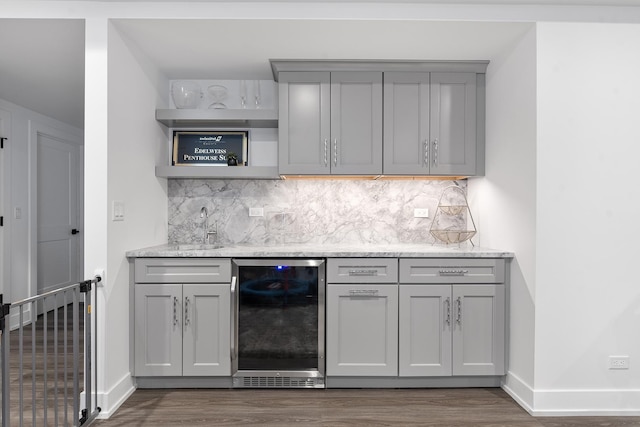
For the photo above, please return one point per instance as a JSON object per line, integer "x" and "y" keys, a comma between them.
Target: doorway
{"x": 56, "y": 208}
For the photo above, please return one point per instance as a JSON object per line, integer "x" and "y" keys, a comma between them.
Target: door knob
{"x": 75, "y": 231}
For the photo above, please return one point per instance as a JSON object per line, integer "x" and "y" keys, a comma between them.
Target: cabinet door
{"x": 356, "y": 123}
{"x": 406, "y": 123}
{"x": 478, "y": 329}
{"x": 425, "y": 330}
{"x": 453, "y": 124}
{"x": 362, "y": 330}
{"x": 158, "y": 330}
{"x": 207, "y": 337}
{"x": 304, "y": 123}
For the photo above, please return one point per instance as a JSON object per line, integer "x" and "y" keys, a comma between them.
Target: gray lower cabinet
{"x": 452, "y": 317}
{"x": 431, "y": 124}
{"x": 451, "y": 330}
{"x": 415, "y": 317}
{"x": 362, "y": 317}
{"x": 182, "y": 329}
{"x": 362, "y": 330}
{"x": 330, "y": 123}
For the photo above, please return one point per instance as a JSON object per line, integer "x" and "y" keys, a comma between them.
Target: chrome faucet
{"x": 206, "y": 232}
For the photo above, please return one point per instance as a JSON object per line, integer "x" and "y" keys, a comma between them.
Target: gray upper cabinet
{"x": 356, "y": 123}
{"x": 453, "y": 124}
{"x": 304, "y": 126}
{"x": 406, "y": 123}
{"x": 430, "y": 124}
{"x": 381, "y": 117}
{"x": 330, "y": 123}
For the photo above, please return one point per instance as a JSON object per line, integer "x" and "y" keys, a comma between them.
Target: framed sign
{"x": 206, "y": 148}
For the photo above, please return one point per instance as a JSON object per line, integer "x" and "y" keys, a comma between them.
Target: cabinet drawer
{"x": 182, "y": 270}
{"x": 451, "y": 270}
{"x": 362, "y": 270}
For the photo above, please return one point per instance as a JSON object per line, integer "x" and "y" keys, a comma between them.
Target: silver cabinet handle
{"x": 234, "y": 312}
{"x": 175, "y": 311}
{"x": 447, "y": 316}
{"x": 456, "y": 272}
{"x": 459, "y": 314}
{"x": 335, "y": 151}
{"x": 325, "y": 151}
{"x": 435, "y": 152}
{"x": 363, "y": 272}
{"x": 426, "y": 153}
{"x": 363, "y": 292}
{"x": 186, "y": 312}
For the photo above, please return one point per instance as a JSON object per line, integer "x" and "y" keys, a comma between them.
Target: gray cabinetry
{"x": 362, "y": 317}
{"x": 182, "y": 329}
{"x": 431, "y": 124}
{"x": 335, "y": 119}
{"x": 425, "y": 330}
{"x": 455, "y": 325}
{"x": 158, "y": 333}
{"x": 330, "y": 123}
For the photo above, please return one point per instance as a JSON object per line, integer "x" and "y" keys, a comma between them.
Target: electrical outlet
{"x": 256, "y": 211}
{"x": 618, "y": 362}
{"x": 421, "y": 213}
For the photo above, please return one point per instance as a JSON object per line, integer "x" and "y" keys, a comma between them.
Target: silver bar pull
{"x": 447, "y": 316}
{"x": 233, "y": 317}
{"x": 426, "y": 153}
{"x": 325, "y": 150}
{"x": 363, "y": 292}
{"x": 186, "y": 312}
{"x": 363, "y": 272}
{"x": 435, "y": 152}
{"x": 335, "y": 151}
{"x": 459, "y": 314}
{"x": 175, "y": 311}
{"x": 454, "y": 272}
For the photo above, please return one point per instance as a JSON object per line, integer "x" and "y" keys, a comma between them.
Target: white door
{"x": 58, "y": 232}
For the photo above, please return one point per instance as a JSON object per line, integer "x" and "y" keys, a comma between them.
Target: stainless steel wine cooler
{"x": 278, "y": 322}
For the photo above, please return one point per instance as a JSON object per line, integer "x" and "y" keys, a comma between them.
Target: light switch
{"x": 118, "y": 211}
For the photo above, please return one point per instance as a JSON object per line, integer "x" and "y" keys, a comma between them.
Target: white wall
{"x": 587, "y": 296}
{"x": 504, "y": 201}
{"x": 136, "y": 143}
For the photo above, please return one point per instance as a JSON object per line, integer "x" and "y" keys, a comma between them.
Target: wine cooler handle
{"x": 234, "y": 313}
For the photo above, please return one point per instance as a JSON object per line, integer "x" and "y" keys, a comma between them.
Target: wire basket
{"x": 452, "y": 218}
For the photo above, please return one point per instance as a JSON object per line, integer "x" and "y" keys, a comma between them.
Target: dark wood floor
{"x": 338, "y": 407}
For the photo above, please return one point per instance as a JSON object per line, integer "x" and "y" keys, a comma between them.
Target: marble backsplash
{"x": 304, "y": 211}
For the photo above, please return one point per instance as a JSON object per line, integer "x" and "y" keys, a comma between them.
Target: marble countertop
{"x": 319, "y": 251}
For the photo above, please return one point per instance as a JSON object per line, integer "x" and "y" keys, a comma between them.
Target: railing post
{"x": 88, "y": 414}
{"x": 5, "y": 346}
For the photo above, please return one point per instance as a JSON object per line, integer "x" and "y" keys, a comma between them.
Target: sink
{"x": 194, "y": 247}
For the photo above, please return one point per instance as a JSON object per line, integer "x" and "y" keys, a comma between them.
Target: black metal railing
{"x": 52, "y": 365}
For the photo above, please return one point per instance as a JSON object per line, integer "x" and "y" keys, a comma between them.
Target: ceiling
{"x": 45, "y": 70}
{"x": 42, "y": 66}
{"x": 42, "y": 60}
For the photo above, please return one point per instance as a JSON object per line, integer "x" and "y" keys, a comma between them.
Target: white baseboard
{"x": 520, "y": 391}
{"x": 112, "y": 399}
{"x": 572, "y": 402}
{"x": 584, "y": 402}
